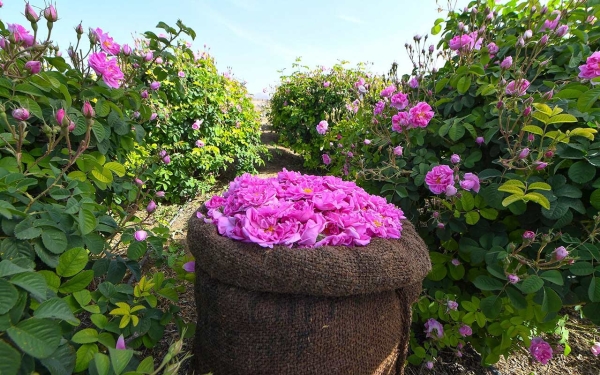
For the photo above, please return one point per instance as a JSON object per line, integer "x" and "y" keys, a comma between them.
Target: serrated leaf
{"x": 104, "y": 175}
{"x": 539, "y": 186}
{"x": 533, "y": 129}
{"x": 85, "y": 336}
{"x": 32, "y": 282}
{"x": 511, "y": 199}
{"x": 56, "y": 308}
{"x": 85, "y": 354}
{"x": 488, "y": 283}
{"x": 87, "y": 221}
{"x": 537, "y": 198}
{"x": 9, "y": 295}
{"x": 54, "y": 240}
{"x": 543, "y": 108}
{"x": 116, "y": 168}
{"x": 37, "y": 337}
{"x": 72, "y": 262}
{"x": 10, "y": 367}
{"x": 77, "y": 282}
{"x": 562, "y": 118}
{"x": 472, "y": 217}
{"x": 581, "y": 172}
{"x": 540, "y": 117}
{"x": 531, "y": 284}
{"x": 587, "y": 99}
{"x": 101, "y": 363}
{"x": 553, "y": 276}
{"x": 119, "y": 359}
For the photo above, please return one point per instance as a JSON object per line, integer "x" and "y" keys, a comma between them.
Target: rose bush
{"x": 198, "y": 121}
{"x": 494, "y": 156}
{"x": 304, "y": 99}
{"x": 74, "y": 234}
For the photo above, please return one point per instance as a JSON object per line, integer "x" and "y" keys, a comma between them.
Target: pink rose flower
{"x": 20, "y": 114}
{"x": 400, "y": 120}
{"x": 455, "y": 159}
{"x": 326, "y": 159}
{"x": 470, "y": 182}
{"x": 595, "y": 349}
{"x": 155, "y": 85}
{"x": 413, "y": 82}
{"x": 540, "y": 350}
{"x": 322, "y": 127}
{"x": 459, "y": 42}
{"x": 326, "y": 84}
{"x": 439, "y": 178}
{"x": 200, "y": 143}
{"x": 517, "y": 88}
{"x": 20, "y": 34}
{"x": 420, "y": 114}
{"x": 528, "y": 235}
{"x": 189, "y": 266}
{"x": 507, "y": 62}
{"x": 399, "y": 101}
{"x": 398, "y": 150}
{"x": 591, "y": 68}
{"x": 140, "y": 235}
{"x": 107, "y": 43}
{"x": 151, "y": 206}
{"x": 452, "y": 305}
{"x": 33, "y": 66}
{"x": 434, "y": 329}
{"x": 560, "y": 253}
{"x": 513, "y": 279}
{"x": 181, "y": 74}
{"x": 388, "y": 91}
{"x": 465, "y": 330}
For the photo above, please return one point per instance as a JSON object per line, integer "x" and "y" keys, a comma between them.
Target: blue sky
{"x": 256, "y": 38}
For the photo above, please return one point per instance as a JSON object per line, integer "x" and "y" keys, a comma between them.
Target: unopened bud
{"x": 88, "y": 111}
{"x": 30, "y": 13}
{"x": 50, "y": 14}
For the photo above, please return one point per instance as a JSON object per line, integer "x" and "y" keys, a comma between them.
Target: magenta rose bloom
{"x": 460, "y": 42}
{"x": 560, "y": 253}
{"x": 189, "y": 266}
{"x": 591, "y": 68}
{"x": 439, "y": 178}
{"x": 20, "y": 114}
{"x": 517, "y": 88}
{"x": 465, "y": 330}
{"x": 107, "y": 43}
{"x": 21, "y": 34}
{"x": 420, "y": 114}
{"x": 470, "y": 182}
{"x": 399, "y": 101}
{"x": 155, "y": 85}
{"x": 322, "y": 127}
{"x": 595, "y": 349}
{"x": 33, "y": 66}
{"x": 540, "y": 350}
{"x": 140, "y": 235}
{"x": 513, "y": 279}
{"x": 388, "y": 91}
{"x": 400, "y": 120}
{"x": 434, "y": 329}
{"x": 326, "y": 159}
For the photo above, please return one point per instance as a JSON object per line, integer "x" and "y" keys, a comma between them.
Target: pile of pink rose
{"x": 299, "y": 210}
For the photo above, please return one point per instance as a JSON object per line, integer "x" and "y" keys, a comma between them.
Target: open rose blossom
{"x": 297, "y": 210}
{"x": 540, "y": 350}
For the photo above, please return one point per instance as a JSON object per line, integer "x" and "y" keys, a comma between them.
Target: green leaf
{"x": 116, "y": 168}
{"x": 594, "y": 290}
{"x": 8, "y": 268}
{"x": 102, "y": 363}
{"x": 37, "y": 337}
{"x": 85, "y": 336}
{"x": 581, "y": 269}
{"x": 587, "y": 100}
{"x": 537, "y": 198}
{"x": 77, "y": 283}
{"x": 540, "y": 117}
{"x": 516, "y": 298}
{"x": 551, "y": 301}
{"x": 62, "y": 361}
{"x": 87, "y": 221}
{"x": 120, "y": 359}
{"x": 511, "y": 199}
{"x": 464, "y": 83}
{"x": 54, "y": 240}
{"x": 553, "y": 276}
{"x": 72, "y": 262}
{"x": 467, "y": 200}
{"x": 10, "y": 367}
{"x": 532, "y": 284}
{"x": 56, "y": 308}
{"x": 439, "y": 85}
{"x": 472, "y": 217}
{"x": 456, "y": 132}
{"x": 32, "y": 282}
{"x": 26, "y": 231}
{"x": 582, "y": 172}
{"x": 562, "y": 118}
{"x": 595, "y": 199}
{"x": 488, "y": 283}
{"x": 543, "y": 108}
{"x": 99, "y": 320}
{"x": 9, "y": 295}
{"x": 491, "y": 306}
{"x": 533, "y": 129}
{"x": 539, "y": 186}
{"x": 137, "y": 249}
{"x": 85, "y": 354}
{"x": 489, "y": 213}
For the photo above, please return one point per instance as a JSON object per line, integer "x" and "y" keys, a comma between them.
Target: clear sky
{"x": 256, "y": 38}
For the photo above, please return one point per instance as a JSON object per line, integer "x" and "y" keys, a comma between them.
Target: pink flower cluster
{"x": 107, "y": 68}
{"x": 465, "y": 42}
{"x": 440, "y": 179}
{"x": 416, "y": 117}
{"x": 293, "y": 209}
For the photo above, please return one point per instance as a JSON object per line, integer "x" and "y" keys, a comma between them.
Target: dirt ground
{"x": 579, "y": 362}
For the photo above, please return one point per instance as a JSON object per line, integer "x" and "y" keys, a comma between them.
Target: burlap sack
{"x": 329, "y": 310}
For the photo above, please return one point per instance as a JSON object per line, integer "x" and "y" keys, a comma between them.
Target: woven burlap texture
{"x": 329, "y": 310}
